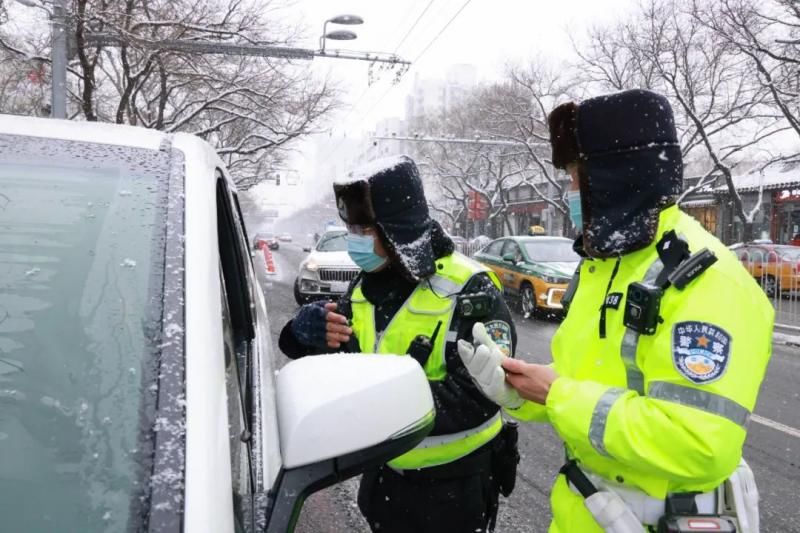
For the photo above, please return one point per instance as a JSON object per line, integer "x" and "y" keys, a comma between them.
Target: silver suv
{"x": 327, "y": 270}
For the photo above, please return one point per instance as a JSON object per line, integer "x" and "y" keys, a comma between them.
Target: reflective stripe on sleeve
{"x": 443, "y": 286}
{"x": 699, "y": 399}
{"x": 630, "y": 342}
{"x": 597, "y": 428}
{"x": 440, "y": 440}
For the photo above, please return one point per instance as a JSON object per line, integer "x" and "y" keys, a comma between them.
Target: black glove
{"x": 309, "y": 325}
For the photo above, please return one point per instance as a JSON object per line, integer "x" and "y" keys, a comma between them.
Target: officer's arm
{"x": 460, "y": 405}
{"x": 690, "y": 424}
{"x": 293, "y": 348}
{"x": 529, "y": 412}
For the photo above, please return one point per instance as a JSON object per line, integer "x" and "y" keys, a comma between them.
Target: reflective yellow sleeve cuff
{"x": 570, "y": 407}
{"x": 528, "y": 412}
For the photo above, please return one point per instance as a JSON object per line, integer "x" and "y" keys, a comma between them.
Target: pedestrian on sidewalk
{"x": 658, "y": 363}
{"x": 416, "y": 296}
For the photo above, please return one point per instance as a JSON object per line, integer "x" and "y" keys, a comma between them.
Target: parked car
{"x": 268, "y": 238}
{"x": 775, "y": 266}
{"x": 534, "y": 271}
{"x": 285, "y": 237}
{"x": 327, "y": 270}
{"x": 137, "y": 379}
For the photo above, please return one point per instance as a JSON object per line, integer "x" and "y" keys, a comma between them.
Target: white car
{"x": 137, "y": 383}
{"x": 327, "y": 270}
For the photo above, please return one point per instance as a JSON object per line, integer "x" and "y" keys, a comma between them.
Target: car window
{"x": 495, "y": 248}
{"x": 790, "y": 253}
{"x": 547, "y": 250}
{"x": 333, "y": 242}
{"x": 239, "y": 327}
{"x": 511, "y": 248}
{"x": 237, "y": 427}
{"x": 82, "y": 257}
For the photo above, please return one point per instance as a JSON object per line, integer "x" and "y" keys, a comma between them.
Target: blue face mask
{"x": 575, "y": 214}
{"x": 361, "y": 249}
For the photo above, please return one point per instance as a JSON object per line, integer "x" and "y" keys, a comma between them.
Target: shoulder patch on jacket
{"x": 500, "y": 332}
{"x": 700, "y": 351}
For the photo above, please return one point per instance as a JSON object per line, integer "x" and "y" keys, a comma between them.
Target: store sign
{"x": 788, "y": 195}
{"x": 477, "y": 206}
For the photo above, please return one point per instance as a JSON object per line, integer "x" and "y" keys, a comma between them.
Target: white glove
{"x": 484, "y": 363}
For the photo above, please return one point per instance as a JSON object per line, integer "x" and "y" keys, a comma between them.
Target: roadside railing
{"x": 469, "y": 249}
{"x": 779, "y": 278}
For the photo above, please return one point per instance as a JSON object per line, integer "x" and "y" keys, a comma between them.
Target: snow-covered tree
{"x": 504, "y": 144}
{"x": 723, "y": 114}
{"x": 250, "y": 108}
{"x": 767, "y": 32}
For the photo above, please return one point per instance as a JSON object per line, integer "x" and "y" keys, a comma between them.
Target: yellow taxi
{"x": 775, "y": 266}
{"x": 534, "y": 271}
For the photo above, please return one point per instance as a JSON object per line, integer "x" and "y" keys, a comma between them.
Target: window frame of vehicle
{"x": 512, "y": 246}
{"x": 500, "y": 243}
{"x": 239, "y": 327}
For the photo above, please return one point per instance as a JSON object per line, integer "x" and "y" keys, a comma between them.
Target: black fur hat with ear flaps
{"x": 629, "y": 165}
{"x": 388, "y": 193}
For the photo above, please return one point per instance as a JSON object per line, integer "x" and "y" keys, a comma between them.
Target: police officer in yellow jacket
{"x": 417, "y": 296}
{"x": 658, "y": 364}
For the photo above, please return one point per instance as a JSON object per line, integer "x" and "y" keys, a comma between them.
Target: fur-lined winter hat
{"x": 629, "y": 165}
{"x": 388, "y": 194}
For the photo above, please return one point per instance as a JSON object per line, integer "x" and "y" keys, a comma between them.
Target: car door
{"x": 511, "y": 273}
{"x": 238, "y": 324}
{"x": 491, "y": 257}
{"x": 255, "y": 451}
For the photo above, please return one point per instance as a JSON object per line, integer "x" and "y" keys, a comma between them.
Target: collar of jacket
{"x": 667, "y": 218}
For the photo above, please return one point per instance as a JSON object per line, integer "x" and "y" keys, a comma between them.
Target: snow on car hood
{"x": 331, "y": 259}
{"x": 555, "y": 268}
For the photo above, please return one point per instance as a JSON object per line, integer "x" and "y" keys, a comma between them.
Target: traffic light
{"x": 277, "y": 179}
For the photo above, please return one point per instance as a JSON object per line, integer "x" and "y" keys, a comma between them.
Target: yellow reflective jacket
{"x": 640, "y": 409}
{"x": 433, "y": 300}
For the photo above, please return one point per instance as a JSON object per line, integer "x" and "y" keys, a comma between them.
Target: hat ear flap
{"x": 563, "y": 122}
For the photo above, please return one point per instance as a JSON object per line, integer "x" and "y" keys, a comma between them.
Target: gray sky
{"x": 487, "y": 33}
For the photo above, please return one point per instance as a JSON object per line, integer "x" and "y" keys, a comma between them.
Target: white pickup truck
{"x": 137, "y": 387}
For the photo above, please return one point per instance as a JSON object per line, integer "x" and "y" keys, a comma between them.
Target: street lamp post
{"x": 339, "y": 35}
{"x": 59, "y": 60}
{"x": 58, "y": 54}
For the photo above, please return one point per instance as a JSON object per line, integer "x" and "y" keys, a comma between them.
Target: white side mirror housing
{"x": 333, "y": 405}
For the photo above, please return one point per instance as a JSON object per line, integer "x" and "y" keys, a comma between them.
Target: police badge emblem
{"x": 500, "y": 333}
{"x": 700, "y": 351}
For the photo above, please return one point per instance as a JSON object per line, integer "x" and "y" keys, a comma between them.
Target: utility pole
{"x": 59, "y": 60}
{"x": 58, "y": 53}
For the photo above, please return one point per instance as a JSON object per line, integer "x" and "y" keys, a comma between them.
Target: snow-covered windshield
{"x": 555, "y": 251}
{"x": 333, "y": 242}
{"x": 82, "y": 263}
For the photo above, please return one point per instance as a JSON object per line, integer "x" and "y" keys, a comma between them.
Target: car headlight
{"x": 311, "y": 265}
{"x": 554, "y": 279}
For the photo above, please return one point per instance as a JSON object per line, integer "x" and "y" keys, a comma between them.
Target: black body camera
{"x": 642, "y": 305}
{"x": 476, "y": 305}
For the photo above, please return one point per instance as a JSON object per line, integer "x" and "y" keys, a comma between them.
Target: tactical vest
{"x": 433, "y": 301}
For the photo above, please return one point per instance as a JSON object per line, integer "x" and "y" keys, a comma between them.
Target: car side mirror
{"x": 509, "y": 258}
{"x": 340, "y": 415}
{"x": 306, "y": 248}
